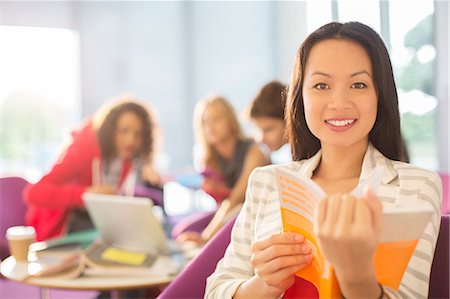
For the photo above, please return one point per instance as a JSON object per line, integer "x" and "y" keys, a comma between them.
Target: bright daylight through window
{"x": 39, "y": 96}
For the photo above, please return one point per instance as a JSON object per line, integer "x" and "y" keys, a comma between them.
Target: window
{"x": 413, "y": 55}
{"x": 39, "y": 96}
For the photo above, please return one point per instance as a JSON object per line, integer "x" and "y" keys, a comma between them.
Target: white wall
{"x": 37, "y": 13}
{"x": 173, "y": 53}
{"x": 176, "y": 53}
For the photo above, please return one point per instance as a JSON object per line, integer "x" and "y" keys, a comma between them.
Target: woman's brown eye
{"x": 321, "y": 86}
{"x": 359, "y": 85}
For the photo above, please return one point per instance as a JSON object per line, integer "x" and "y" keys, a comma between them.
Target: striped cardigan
{"x": 260, "y": 217}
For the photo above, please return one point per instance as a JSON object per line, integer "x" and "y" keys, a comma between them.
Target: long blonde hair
{"x": 210, "y": 155}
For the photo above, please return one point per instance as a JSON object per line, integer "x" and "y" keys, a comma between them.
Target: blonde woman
{"x": 228, "y": 157}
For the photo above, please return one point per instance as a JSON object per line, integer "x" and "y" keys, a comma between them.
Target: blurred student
{"x": 266, "y": 112}
{"x": 343, "y": 121}
{"x": 228, "y": 159}
{"x": 110, "y": 154}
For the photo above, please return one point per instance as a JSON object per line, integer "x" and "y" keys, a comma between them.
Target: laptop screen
{"x": 127, "y": 222}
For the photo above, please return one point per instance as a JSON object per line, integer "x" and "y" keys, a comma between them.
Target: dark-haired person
{"x": 266, "y": 112}
{"x": 109, "y": 154}
{"x": 343, "y": 121}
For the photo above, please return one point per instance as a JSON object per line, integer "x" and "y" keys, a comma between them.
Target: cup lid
{"x": 20, "y": 232}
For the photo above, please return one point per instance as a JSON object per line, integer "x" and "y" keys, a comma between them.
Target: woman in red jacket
{"x": 106, "y": 155}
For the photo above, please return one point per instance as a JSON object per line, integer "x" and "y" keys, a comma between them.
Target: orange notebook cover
{"x": 299, "y": 196}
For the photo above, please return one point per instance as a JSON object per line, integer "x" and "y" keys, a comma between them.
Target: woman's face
{"x": 128, "y": 135}
{"x": 215, "y": 124}
{"x": 271, "y": 131}
{"x": 339, "y": 95}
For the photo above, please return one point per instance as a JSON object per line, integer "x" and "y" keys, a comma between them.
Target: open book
{"x": 402, "y": 227}
{"x": 100, "y": 258}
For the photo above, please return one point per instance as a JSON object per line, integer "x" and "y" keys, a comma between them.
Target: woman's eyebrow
{"x": 361, "y": 73}
{"x": 319, "y": 73}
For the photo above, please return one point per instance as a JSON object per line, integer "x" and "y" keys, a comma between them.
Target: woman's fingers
{"x": 375, "y": 207}
{"x": 328, "y": 214}
{"x": 281, "y": 238}
{"x": 336, "y": 214}
{"x": 333, "y": 210}
{"x": 282, "y": 262}
{"x": 346, "y": 214}
{"x": 189, "y": 236}
{"x": 349, "y": 231}
{"x": 276, "y": 258}
{"x": 320, "y": 214}
{"x": 283, "y": 278}
{"x": 279, "y": 250}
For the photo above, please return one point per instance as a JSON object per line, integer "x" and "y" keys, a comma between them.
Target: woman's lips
{"x": 340, "y": 125}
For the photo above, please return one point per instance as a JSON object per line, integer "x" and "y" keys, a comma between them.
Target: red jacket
{"x": 50, "y": 199}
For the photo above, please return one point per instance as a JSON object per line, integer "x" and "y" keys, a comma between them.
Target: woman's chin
{"x": 126, "y": 155}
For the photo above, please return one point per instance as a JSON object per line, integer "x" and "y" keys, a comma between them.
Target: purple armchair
{"x": 155, "y": 194}
{"x": 440, "y": 269}
{"x": 196, "y": 222}
{"x": 191, "y": 282}
{"x": 13, "y": 208}
{"x": 445, "y": 192}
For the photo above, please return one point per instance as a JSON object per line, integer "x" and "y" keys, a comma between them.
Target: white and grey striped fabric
{"x": 260, "y": 217}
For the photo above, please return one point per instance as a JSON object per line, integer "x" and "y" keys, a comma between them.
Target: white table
{"x": 91, "y": 279}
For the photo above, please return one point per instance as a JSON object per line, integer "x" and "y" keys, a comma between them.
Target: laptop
{"x": 127, "y": 222}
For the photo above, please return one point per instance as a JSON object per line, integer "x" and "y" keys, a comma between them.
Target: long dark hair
{"x": 106, "y": 123}
{"x": 385, "y": 134}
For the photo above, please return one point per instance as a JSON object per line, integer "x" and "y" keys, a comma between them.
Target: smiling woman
{"x": 339, "y": 96}
{"x": 343, "y": 122}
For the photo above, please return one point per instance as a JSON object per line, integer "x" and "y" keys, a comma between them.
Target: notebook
{"x": 127, "y": 222}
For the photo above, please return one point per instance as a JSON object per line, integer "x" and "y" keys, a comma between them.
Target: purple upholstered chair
{"x": 191, "y": 282}
{"x": 440, "y": 269}
{"x": 195, "y": 222}
{"x": 445, "y": 192}
{"x": 13, "y": 208}
{"x": 155, "y": 194}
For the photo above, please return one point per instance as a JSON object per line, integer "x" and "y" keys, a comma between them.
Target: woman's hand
{"x": 190, "y": 236}
{"x": 276, "y": 259}
{"x": 348, "y": 230}
{"x": 150, "y": 175}
{"x": 103, "y": 189}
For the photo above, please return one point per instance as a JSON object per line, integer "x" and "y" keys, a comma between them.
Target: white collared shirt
{"x": 260, "y": 217}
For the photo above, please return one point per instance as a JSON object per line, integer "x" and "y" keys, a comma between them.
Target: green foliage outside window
{"x": 419, "y": 130}
{"x": 30, "y": 129}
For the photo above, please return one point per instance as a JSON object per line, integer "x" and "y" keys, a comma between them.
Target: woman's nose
{"x": 339, "y": 100}
{"x": 132, "y": 138}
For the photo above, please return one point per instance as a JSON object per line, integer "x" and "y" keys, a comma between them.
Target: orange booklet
{"x": 403, "y": 224}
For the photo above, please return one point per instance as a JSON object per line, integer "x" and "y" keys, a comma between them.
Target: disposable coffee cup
{"x": 19, "y": 239}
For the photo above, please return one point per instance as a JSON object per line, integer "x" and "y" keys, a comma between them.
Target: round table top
{"x": 91, "y": 279}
